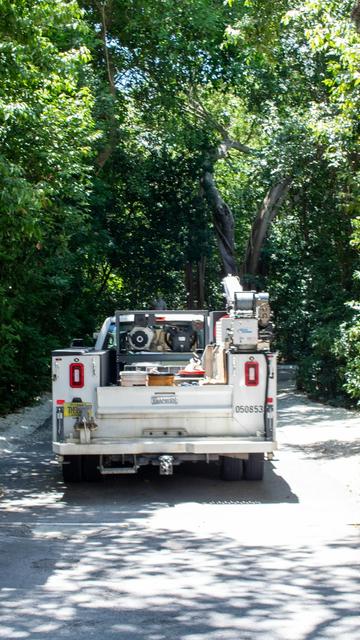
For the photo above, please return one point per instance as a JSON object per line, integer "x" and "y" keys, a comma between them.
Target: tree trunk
{"x": 107, "y": 151}
{"x": 355, "y": 14}
{"x": 222, "y": 215}
{"x": 195, "y": 283}
{"x": 201, "y": 282}
{"x": 264, "y": 218}
{"x": 189, "y": 284}
{"x": 223, "y": 222}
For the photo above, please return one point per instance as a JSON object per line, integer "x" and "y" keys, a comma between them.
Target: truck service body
{"x": 164, "y": 387}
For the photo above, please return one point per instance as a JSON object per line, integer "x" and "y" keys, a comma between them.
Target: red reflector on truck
{"x": 76, "y": 375}
{"x": 60, "y": 401}
{"x": 251, "y": 374}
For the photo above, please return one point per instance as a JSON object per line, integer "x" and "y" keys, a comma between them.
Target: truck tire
{"x": 254, "y": 467}
{"x": 91, "y": 471}
{"x": 72, "y": 469}
{"x": 231, "y": 468}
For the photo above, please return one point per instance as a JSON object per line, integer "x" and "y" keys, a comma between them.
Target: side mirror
{"x": 77, "y": 342}
{"x": 95, "y": 335}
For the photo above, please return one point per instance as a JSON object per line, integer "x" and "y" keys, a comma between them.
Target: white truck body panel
{"x": 224, "y": 417}
{"x": 221, "y": 408}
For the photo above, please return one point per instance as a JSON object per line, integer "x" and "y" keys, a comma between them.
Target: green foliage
{"x": 46, "y": 129}
{"x": 333, "y": 121}
{"x": 321, "y": 373}
{"x": 109, "y": 113}
{"x": 347, "y": 347}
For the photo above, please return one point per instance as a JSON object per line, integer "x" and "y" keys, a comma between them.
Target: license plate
{"x": 73, "y": 409}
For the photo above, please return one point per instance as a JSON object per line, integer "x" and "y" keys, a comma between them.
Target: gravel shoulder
{"x": 16, "y": 426}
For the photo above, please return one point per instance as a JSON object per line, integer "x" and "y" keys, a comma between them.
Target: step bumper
{"x": 144, "y": 446}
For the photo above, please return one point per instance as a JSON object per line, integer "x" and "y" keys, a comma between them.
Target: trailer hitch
{"x": 166, "y": 465}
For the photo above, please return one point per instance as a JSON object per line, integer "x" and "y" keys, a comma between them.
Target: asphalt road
{"x": 188, "y": 557}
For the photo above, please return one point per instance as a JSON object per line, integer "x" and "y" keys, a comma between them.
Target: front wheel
{"x": 72, "y": 469}
{"x": 231, "y": 468}
{"x": 254, "y": 467}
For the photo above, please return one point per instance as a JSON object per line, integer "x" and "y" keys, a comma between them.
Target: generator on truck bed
{"x": 164, "y": 387}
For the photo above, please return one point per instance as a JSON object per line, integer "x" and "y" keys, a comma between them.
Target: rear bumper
{"x": 144, "y": 446}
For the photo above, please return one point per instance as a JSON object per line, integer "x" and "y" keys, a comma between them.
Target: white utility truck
{"x": 164, "y": 387}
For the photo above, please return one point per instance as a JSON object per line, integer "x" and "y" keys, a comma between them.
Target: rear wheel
{"x": 72, "y": 469}
{"x": 91, "y": 471}
{"x": 231, "y": 468}
{"x": 254, "y": 467}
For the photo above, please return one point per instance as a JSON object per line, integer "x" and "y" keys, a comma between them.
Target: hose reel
{"x": 140, "y": 338}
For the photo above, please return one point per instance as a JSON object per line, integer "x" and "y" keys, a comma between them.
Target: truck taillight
{"x": 251, "y": 374}
{"x": 76, "y": 375}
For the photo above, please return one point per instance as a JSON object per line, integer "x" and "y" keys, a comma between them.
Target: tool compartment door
{"x": 142, "y": 411}
{"x": 91, "y": 368}
{"x": 248, "y": 373}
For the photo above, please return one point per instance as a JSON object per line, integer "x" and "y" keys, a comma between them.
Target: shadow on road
{"x": 96, "y": 561}
{"x": 327, "y": 449}
{"x": 32, "y": 483}
{"x": 132, "y": 582}
{"x": 31, "y": 479}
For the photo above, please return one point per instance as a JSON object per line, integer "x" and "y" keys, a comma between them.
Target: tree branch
{"x": 106, "y": 152}
{"x": 266, "y": 214}
{"x": 110, "y": 74}
{"x": 198, "y": 109}
{"x": 234, "y": 144}
{"x": 223, "y": 221}
{"x": 105, "y": 278}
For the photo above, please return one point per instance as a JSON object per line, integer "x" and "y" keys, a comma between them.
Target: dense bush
{"x": 46, "y": 128}
{"x": 347, "y": 347}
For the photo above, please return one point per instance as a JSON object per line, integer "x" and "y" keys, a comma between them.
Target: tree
{"x": 152, "y": 147}
{"x": 46, "y": 129}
